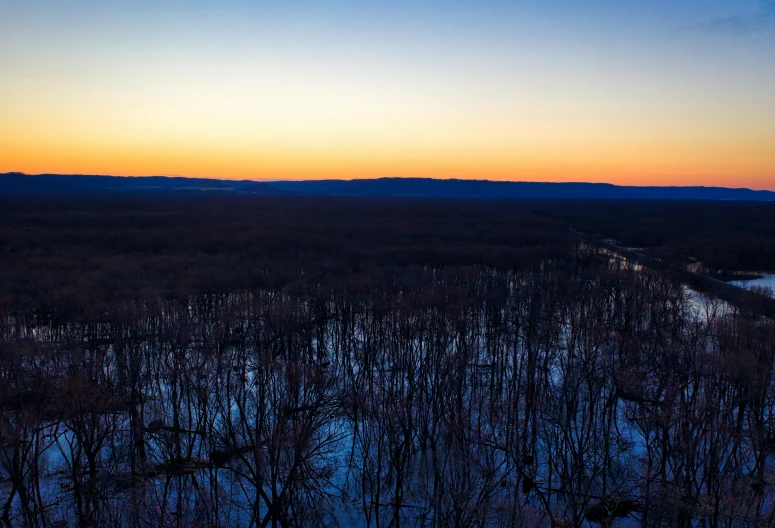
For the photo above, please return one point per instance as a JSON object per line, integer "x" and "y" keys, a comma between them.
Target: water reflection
{"x": 766, "y": 281}
{"x": 578, "y": 393}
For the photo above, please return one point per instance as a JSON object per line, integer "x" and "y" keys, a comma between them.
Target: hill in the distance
{"x": 57, "y": 184}
{"x": 15, "y": 183}
{"x": 485, "y": 189}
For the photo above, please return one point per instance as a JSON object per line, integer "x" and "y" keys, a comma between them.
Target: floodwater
{"x": 526, "y": 396}
{"x": 767, "y": 281}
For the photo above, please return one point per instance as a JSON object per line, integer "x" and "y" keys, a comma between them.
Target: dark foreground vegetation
{"x": 725, "y": 238}
{"x": 286, "y": 361}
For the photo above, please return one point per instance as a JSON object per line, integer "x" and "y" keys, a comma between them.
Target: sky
{"x": 658, "y": 92}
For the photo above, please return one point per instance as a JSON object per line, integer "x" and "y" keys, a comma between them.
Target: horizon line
{"x": 269, "y": 180}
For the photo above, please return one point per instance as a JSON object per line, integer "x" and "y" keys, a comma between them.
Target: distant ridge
{"x": 15, "y": 183}
{"x": 56, "y": 184}
{"x": 486, "y": 189}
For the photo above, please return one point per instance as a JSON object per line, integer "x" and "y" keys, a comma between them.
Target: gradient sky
{"x": 631, "y": 92}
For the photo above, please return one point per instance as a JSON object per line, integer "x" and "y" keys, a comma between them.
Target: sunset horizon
{"x": 669, "y": 93}
{"x": 401, "y": 177}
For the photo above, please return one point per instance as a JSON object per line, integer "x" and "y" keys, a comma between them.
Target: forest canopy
{"x": 308, "y": 361}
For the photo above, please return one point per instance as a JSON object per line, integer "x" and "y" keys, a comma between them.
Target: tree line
{"x": 552, "y": 385}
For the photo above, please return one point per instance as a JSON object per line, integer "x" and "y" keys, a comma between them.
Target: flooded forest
{"x": 308, "y": 362}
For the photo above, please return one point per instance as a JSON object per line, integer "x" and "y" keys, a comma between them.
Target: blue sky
{"x": 651, "y": 92}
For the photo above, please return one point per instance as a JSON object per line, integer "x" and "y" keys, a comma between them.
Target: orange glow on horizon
{"x": 534, "y": 93}
{"x": 675, "y": 169}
